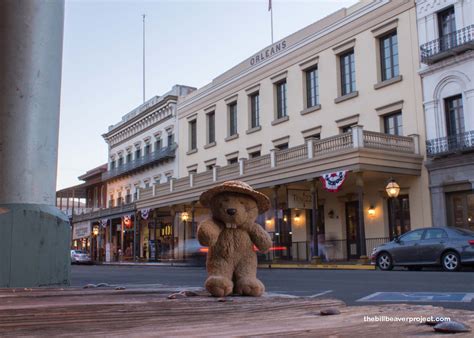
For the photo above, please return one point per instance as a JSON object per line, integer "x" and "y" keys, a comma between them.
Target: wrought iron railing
{"x": 450, "y": 144}
{"x": 158, "y": 155}
{"x": 437, "y": 49}
{"x": 333, "y": 250}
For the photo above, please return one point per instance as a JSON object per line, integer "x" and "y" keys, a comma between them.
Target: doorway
{"x": 352, "y": 228}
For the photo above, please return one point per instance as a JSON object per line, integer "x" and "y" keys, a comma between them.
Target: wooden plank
{"x": 148, "y": 312}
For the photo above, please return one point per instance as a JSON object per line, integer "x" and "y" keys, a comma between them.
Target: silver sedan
{"x": 447, "y": 247}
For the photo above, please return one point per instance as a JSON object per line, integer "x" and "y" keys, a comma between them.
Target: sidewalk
{"x": 345, "y": 265}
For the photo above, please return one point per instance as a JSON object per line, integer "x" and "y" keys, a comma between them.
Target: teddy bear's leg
{"x": 245, "y": 277}
{"x": 219, "y": 283}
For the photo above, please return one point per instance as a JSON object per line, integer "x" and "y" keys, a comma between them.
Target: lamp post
{"x": 392, "y": 189}
{"x": 184, "y": 218}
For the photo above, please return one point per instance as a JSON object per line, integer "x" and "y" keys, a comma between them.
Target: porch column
{"x": 275, "y": 211}
{"x": 33, "y": 232}
{"x": 360, "y": 197}
{"x": 135, "y": 236}
{"x": 314, "y": 219}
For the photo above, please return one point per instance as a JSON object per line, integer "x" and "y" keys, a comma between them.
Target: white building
{"x": 446, "y": 37}
{"x": 142, "y": 147}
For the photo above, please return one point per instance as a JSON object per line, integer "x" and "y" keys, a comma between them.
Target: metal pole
{"x": 271, "y": 18}
{"x": 360, "y": 197}
{"x": 144, "y": 58}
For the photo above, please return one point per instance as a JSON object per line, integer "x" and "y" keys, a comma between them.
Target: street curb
{"x": 317, "y": 266}
{"x": 146, "y": 264}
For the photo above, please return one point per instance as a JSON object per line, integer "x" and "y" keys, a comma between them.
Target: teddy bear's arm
{"x": 208, "y": 232}
{"x": 260, "y": 238}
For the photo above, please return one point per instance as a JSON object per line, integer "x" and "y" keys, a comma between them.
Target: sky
{"x": 188, "y": 42}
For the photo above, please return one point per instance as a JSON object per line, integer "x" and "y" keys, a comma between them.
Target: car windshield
{"x": 464, "y": 232}
{"x": 80, "y": 252}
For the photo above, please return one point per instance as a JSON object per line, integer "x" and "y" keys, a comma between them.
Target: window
{"x": 192, "y": 172}
{"x": 138, "y": 153}
{"x": 316, "y": 136}
{"x": 399, "y": 215}
{"x": 447, "y": 29}
{"x": 345, "y": 129}
{"x": 120, "y": 161}
{"x": 158, "y": 144}
{"x": 233, "y": 119}
{"x": 393, "y": 124}
{"x": 312, "y": 87}
{"x": 170, "y": 139}
{"x": 414, "y": 235}
{"x": 112, "y": 165}
{"x": 454, "y": 115}
{"x": 435, "y": 234}
{"x": 147, "y": 149}
{"x": 347, "y": 65}
{"x": 255, "y": 110}
{"x": 255, "y": 154}
{"x": 129, "y": 157}
{"x": 281, "y": 99}
{"x": 210, "y": 166}
{"x": 282, "y": 146}
{"x": 147, "y": 184}
{"x": 128, "y": 197}
{"x": 389, "y": 56}
{"x": 232, "y": 160}
{"x": 111, "y": 201}
{"x": 192, "y": 135}
{"x": 211, "y": 127}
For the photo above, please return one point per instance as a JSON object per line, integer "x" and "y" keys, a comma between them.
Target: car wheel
{"x": 384, "y": 261}
{"x": 450, "y": 261}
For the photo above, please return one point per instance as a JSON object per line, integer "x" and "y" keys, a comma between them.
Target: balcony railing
{"x": 311, "y": 150}
{"x": 148, "y": 159}
{"x": 450, "y": 144}
{"x": 97, "y": 213}
{"x": 447, "y": 45}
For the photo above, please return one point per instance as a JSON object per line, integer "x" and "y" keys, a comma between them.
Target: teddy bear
{"x": 231, "y": 234}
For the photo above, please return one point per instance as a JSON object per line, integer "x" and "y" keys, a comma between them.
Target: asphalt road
{"x": 349, "y": 286}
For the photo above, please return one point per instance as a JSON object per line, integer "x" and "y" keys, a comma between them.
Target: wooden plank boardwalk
{"x": 147, "y": 312}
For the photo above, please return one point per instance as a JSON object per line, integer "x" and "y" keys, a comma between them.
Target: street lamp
{"x": 95, "y": 230}
{"x": 392, "y": 189}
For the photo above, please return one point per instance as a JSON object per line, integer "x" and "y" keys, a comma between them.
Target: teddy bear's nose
{"x": 231, "y": 212}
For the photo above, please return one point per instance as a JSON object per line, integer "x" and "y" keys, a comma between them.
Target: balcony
{"x": 443, "y": 146}
{"x": 97, "y": 213}
{"x": 140, "y": 163}
{"x": 358, "y": 150}
{"x": 448, "y": 45}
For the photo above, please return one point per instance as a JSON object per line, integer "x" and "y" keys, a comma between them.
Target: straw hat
{"x": 263, "y": 203}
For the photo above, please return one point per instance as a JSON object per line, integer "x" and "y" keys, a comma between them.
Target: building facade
{"x": 142, "y": 152}
{"x": 446, "y": 37}
{"x": 339, "y": 97}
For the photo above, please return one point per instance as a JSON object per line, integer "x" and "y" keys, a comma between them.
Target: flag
{"x": 332, "y": 182}
{"x": 269, "y": 5}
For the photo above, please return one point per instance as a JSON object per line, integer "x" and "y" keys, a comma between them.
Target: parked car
{"x": 447, "y": 247}
{"x": 80, "y": 257}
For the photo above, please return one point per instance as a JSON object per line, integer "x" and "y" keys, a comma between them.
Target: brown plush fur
{"x": 231, "y": 260}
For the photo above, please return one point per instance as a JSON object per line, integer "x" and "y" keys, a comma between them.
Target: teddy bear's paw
{"x": 249, "y": 287}
{"x": 219, "y": 286}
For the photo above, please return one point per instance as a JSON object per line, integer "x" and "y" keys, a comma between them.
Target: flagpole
{"x": 271, "y": 18}
{"x": 144, "y": 58}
